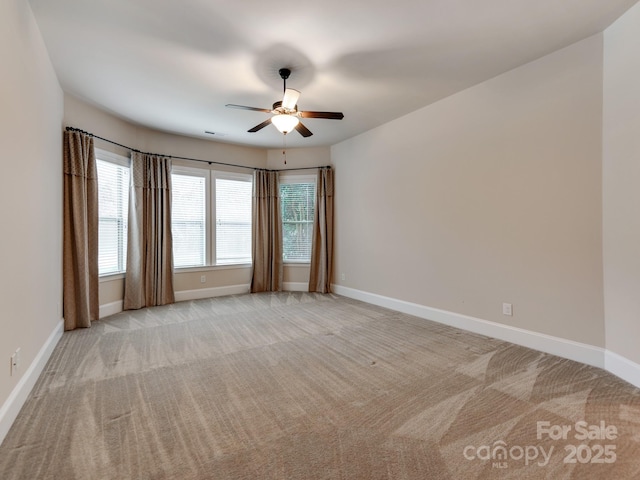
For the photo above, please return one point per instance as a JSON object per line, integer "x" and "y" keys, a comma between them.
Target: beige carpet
{"x": 306, "y": 386}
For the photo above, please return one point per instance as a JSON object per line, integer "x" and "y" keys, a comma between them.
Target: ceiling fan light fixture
{"x": 284, "y": 122}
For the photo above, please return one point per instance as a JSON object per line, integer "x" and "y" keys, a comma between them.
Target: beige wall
{"x": 111, "y": 289}
{"x": 215, "y": 277}
{"x": 298, "y": 158}
{"x": 30, "y": 192}
{"x": 80, "y": 114}
{"x": 491, "y": 195}
{"x": 168, "y": 144}
{"x": 621, "y": 185}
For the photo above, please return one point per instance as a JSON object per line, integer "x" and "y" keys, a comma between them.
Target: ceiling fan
{"x": 286, "y": 115}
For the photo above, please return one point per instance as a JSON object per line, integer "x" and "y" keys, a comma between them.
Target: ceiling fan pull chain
{"x": 284, "y": 147}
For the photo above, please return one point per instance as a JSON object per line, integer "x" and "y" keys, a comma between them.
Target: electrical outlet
{"x": 203, "y": 278}
{"x": 342, "y": 276}
{"x": 507, "y": 309}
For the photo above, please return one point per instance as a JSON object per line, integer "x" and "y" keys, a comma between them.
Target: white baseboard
{"x": 184, "y": 295}
{"x": 111, "y": 308}
{"x": 181, "y": 296}
{"x": 561, "y": 347}
{"x": 295, "y": 286}
{"x": 233, "y": 290}
{"x": 11, "y": 407}
{"x": 622, "y": 367}
{"x": 197, "y": 294}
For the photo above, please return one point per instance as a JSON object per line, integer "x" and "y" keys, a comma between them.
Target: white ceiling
{"x": 173, "y": 65}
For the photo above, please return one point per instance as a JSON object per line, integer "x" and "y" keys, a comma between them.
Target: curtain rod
{"x": 210, "y": 162}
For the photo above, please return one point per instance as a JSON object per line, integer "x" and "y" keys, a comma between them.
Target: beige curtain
{"x": 322, "y": 244}
{"x": 149, "y": 279}
{"x": 266, "y": 233}
{"x": 80, "y": 237}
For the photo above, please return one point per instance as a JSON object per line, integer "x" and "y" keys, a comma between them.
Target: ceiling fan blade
{"x": 290, "y": 98}
{"x": 304, "y": 131}
{"x": 260, "y": 127}
{"x": 243, "y": 107}
{"x": 328, "y": 115}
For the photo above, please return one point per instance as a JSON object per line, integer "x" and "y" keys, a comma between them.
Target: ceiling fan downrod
{"x": 284, "y": 74}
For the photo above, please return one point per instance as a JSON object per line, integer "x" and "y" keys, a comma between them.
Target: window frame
{"x": 210, "y": 175}
{"x": 122, "y": 161}
{"x": 223, "y": 175}
{"x": 297, "y": 179}
{"x": 201, "y": 173}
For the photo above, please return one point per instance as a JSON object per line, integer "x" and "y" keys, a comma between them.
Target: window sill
{"x": 111, "y": 276}
{"x": 208, "y": 268}
{"x": 233, "y": 266}
{"x": 297, "y": 264}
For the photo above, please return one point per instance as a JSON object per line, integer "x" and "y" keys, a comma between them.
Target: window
{"x": 233, "y": 219}
{"x": 188, "y": 218}
{"x": 210, "y": 217}
{"x": 113, "y": 207}
{"x": 298, "y": 200}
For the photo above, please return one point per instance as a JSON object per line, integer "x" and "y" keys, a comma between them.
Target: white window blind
{"x": 188, "y": 220}
{"x": 113, "y": 205}
{"x": 298, "y": 204}
{"x": 233, "y": 220}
